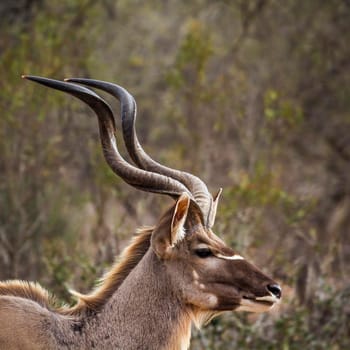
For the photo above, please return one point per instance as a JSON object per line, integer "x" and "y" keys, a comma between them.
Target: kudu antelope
{"x": 170, "y": 276}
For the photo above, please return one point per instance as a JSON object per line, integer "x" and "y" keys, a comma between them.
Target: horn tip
{"x": 30, "y": 77}
{"x": 218, "y": 194}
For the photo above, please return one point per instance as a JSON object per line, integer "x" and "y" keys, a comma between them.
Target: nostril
{"x": 275, "y": 289}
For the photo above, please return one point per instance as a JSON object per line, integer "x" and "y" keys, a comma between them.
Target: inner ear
{"x": 177, "y": 228}
{"x": 170, "y": 229}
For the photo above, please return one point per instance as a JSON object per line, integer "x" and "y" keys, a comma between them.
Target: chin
{"x": 257, "y": 305}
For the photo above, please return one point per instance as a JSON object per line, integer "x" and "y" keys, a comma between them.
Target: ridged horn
{"x": 128, "y": 115}
{"x": 139, "y": 178}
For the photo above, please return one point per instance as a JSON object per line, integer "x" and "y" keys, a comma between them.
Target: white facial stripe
{"x": 232, "y": 257}
{"x": 202, "y": 246}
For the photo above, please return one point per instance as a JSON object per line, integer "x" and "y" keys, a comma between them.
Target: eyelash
{"x": 203, "y": 252}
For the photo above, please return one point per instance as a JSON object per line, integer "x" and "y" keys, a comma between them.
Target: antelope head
{"x": 207, "y": 276}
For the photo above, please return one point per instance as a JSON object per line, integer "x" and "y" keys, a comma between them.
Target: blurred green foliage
{"x": 192, "y": 56}
{"x": 251, "y": 95}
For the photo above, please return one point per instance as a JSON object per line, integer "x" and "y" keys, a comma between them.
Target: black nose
{"x": 275, "y": 289}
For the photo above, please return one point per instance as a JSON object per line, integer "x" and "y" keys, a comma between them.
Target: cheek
{"x": 228, "y": 297}
{"x": 213, "y": 285}
{"x": 197, "y": 296}
{"x": 211, "y": 296}
{"x": 194, "y": 291}
{"x": 207, "y": 293}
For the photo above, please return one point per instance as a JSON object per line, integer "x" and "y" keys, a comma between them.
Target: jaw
{"x": 202, "y": 317}
{"x": 259, "y": 304}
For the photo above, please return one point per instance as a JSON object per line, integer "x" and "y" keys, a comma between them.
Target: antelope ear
{"x": 165, "y": 238}
{"x": 212, "y": 215}
{"x": 178, "y": 221}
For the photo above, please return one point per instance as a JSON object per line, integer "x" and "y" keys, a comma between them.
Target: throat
{"x": 145, "y": 312}
{"x": 180, "y": 339}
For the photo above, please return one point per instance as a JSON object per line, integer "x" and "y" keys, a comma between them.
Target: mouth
{"x": 258, "y": 304}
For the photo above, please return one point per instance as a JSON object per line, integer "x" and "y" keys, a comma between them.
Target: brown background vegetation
{"x": 251, "y": 95}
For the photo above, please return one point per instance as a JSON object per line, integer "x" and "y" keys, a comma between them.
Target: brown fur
{"x": 182, "y": 334}
{"x": 107, "y": 285}
{"x": 114, "y": 277}
{"x": 28, "y": 290}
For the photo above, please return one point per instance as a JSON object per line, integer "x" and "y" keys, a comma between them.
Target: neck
{"x": 144, "y": 313}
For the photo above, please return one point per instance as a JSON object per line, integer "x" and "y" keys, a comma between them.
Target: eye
{"x": 203, "y": 252}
